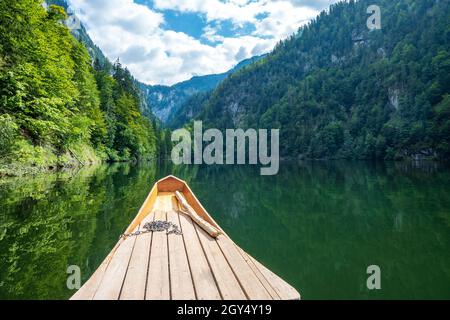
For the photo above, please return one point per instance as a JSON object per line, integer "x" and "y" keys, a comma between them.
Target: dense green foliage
{"x": 338, "y": 90}
{"x": 55, "y": 103}
{"x": 129, "y": 134}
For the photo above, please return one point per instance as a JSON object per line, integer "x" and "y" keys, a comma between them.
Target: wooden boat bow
{"x": 203, "y": 263}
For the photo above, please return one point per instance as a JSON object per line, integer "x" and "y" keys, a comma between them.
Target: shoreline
{"x": 11, "y": 171}
{"x": 17, "y": 170}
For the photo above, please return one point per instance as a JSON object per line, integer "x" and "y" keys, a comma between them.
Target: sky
{"x": 169, "y": 41}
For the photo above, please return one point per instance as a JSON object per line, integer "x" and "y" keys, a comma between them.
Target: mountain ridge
{"x": 163, "y": 101}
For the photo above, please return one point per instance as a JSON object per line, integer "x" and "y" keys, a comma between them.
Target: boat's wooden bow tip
{"x": 169, "y": 177}
{"x": 171, "y": 184}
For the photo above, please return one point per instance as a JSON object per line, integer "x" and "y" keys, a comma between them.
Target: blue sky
{"x": 168, "y": 41}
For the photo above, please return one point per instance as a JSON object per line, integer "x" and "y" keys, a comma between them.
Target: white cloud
{"x": 236, "y": 10}
{"x": 283, "y": 19}
{"x": 133, "y": 32}
{"x": 210, "y": 34}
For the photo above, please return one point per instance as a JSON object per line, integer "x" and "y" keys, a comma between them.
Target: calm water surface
{"x": 319, "y": 225}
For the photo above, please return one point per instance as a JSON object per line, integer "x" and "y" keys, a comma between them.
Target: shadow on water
{"x": 317, "y": 224}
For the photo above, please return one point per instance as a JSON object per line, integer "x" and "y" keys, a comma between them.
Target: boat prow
{"x": 201, "y": 262}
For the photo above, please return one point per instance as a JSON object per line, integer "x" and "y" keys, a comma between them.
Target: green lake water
{"x": 318, "y": 225}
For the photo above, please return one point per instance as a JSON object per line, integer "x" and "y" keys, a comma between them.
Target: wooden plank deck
{"x": 157, "y": 266}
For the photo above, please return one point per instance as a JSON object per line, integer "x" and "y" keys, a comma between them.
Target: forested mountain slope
{"x": 79, "y": 31}
{"x": 339, "y": 90}
{"x": 189, "y": 110}
{"x": 166, "y": 102}
{"x": 57, "y": 105}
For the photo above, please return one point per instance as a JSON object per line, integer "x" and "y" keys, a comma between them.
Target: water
{"x": 319, "y": 225}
